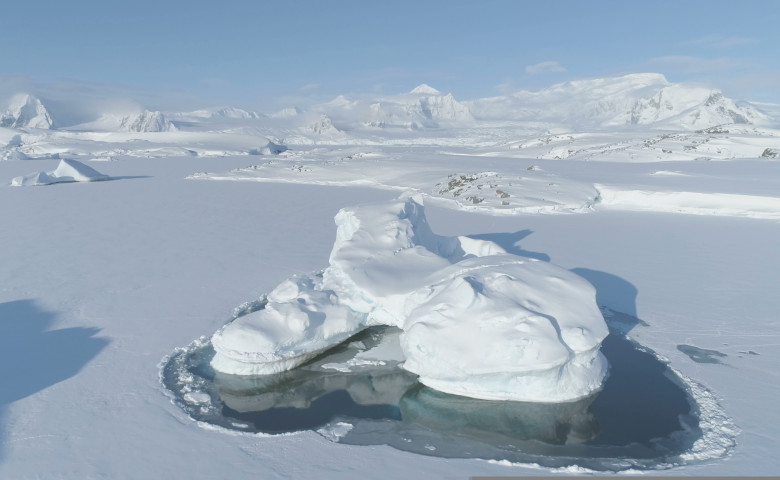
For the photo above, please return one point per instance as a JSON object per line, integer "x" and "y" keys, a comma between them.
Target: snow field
{"x": 103, "y": 280}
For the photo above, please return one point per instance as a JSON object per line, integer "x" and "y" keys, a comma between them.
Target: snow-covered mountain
{"x": 323, "y": 125}
{"x": 147, "y": 121}
{"x": 289, "y": 112}
{"x": 646, "y": 99}
{"x": 141, "y": 122}
{"x": 423, "y": 107}
{"x": 26, "y": 111}
{"x": 223, "y": 113}
{"x": 637, "y": 99}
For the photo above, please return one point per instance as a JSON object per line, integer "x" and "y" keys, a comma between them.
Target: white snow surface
{"x": 67, "y": 171}
{"x": 100, "y": 283}
{"x": 477, "y": 321}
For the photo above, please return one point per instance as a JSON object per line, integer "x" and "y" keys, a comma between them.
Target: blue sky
{"x": 267, "y": 54}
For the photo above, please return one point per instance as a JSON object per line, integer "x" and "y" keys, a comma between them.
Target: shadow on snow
{"x": 35, "y": 357}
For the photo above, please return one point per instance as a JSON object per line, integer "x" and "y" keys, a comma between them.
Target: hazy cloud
{"x": 696, "y": 65}
{"x": 506, "y": 87}
{"x": 723, "y": 41}
{"x": 310, "y": 87}
{"x": 549, "y": 66}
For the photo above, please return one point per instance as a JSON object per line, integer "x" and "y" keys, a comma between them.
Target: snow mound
{"x": 270, "y": 148}
{"x": 66, "y": 171}
{"x": 26, "y": 111}
{"x": 692, "y": 203}
{"x": 13, "y": 154}
{"x": 476, "y": 320}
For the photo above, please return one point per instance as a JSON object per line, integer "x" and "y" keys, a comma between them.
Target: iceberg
{"x": 67, "y": 171}
{"x": 476, "y": 321}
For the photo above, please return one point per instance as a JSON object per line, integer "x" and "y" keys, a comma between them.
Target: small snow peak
{"x": 26, "y": 111}
{"x": 425, "y": 89}
{"x": 146, "y": 121}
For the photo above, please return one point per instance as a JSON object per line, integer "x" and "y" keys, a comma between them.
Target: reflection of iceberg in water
{"x": 360, "y": 379}
{"x": 507, "y": 422}
{"x": 301, "y": 400}
{"x": 336, "y": 386}
{"x": 302, "y": 389}
{"x": 645, "y": 417}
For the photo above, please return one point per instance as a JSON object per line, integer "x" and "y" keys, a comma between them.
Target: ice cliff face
{"x": 476, "y": 320}
{"x": 26, "y": 111}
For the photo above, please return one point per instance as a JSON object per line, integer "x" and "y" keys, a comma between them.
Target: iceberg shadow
{"x": 36, "y": 357}
{"x": 509, "y": 242}
{"x": 129, "y": 177}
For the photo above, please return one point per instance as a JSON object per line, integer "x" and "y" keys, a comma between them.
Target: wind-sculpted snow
{"x": 67, "y": 171}
{"x": 500, "y": 192}
{"x": 694, "y": 203}
{"x": 477, "y": 321}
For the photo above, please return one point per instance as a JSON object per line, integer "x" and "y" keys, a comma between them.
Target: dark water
{"x": 643, "y": 417}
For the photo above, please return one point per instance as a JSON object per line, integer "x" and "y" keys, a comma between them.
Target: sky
{"x": 269, "y": 54}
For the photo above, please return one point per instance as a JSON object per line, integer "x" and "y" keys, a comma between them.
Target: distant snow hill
{"x": 223, "y": 113}
{"x": 646, "y": 99}
{"x": 142, "y": 122}
{"x": 423, "y": 107}
{"x": 637, "y": 99}
{"x": 26, "y": 111}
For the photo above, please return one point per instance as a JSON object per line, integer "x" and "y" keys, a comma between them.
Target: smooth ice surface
{"x": 67, "y": 171}
{"x": 477, "y": 321}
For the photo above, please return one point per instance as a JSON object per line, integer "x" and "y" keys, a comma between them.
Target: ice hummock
{"x": 67, "y": 171}
{"x": 476, "y": 320}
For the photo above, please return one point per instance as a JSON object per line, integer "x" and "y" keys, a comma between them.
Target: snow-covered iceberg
{"x": 476, "y": 320}
{"x": 66, "y": 171}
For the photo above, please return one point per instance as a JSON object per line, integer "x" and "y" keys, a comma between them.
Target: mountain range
{"x": 646, "y": 99}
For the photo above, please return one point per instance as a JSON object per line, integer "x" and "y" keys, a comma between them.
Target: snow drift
{"x": 477, "y": 321}
{"x": 66, "y": 171}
